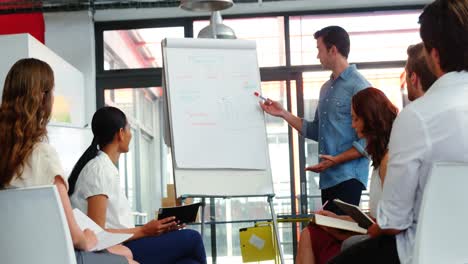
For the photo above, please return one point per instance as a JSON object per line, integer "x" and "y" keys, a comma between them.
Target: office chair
{"x": 33, "y": 227}
{"x": 442, "y": 231}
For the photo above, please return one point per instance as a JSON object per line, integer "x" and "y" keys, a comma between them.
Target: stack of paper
{"x": 105, "y": 239}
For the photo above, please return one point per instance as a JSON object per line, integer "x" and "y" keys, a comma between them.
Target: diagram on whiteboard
{"x": 216, "y": 121}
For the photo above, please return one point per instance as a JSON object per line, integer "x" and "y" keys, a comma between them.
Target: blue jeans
{"x": 176, "y": 247}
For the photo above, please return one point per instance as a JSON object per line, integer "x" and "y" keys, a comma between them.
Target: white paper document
{"x": 257, "y": 242}
{"x": 105, "y": 239}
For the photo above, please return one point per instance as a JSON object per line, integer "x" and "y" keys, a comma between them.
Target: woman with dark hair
{"x": 95, "y": 189}
{"x": 27, "y": 158}
{"x": 372, "y": 118}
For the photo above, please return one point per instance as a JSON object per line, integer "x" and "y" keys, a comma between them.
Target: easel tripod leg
{"x": 275, "y": 227}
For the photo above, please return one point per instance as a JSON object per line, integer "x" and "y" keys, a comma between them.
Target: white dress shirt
{"x": 432, "y": 128}
{"x": 101, "y": 177}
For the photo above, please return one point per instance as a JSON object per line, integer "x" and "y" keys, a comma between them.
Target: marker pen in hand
{"x": 267, "y": 101}
{"x": 260, "y": 96}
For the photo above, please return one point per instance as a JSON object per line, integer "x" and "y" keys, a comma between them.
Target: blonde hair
{"x": 24, "y": 113}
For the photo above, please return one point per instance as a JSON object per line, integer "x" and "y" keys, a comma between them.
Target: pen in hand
{"x": 267, "y": 101}
{"x": 323, "y": 206}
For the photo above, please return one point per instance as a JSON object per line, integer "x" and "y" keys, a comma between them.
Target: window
{"x": 268, "y": 33}
{"x": 374, "y": 36}
{"x": 378, "y": 45}
{"x": 140, "y": 169}
{"x": 136, "y": 48}
{"x": 389, "y": 81}
{"x": 312, "y": 82}
{"x": 277, "y": 133}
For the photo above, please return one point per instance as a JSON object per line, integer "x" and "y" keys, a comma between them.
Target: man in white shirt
{"x": 432, "y": 128}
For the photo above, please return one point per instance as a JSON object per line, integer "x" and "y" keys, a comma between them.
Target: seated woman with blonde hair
{"x": 28, "y": 160}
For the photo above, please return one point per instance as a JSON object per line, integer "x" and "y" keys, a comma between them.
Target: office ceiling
{"x": 29, "y": 6}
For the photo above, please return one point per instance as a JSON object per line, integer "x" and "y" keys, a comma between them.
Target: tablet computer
{"x": 184, "y": 214}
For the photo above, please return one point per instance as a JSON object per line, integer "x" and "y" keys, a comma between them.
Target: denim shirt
{"x": 332, "y": 129}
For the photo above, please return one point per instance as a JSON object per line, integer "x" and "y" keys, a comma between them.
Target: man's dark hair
{"x": 417, "y": 64}
{"x": 337, "y": 36}
{"x": 444, "y": 26}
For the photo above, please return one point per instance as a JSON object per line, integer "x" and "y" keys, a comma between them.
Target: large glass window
{"x": 377, "y": 38}
{"x": 374, "y": 36}
{"x": 312, "y": 82}
{"x": 268, "y": 32}
{"x": 136, "y": 48}
{"x": 389, "y": 81}
{"x": 278, "y": 145}
{"x": 139, "y": 169}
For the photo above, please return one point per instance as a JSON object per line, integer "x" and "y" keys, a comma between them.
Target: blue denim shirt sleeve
{"x": 360, "y": 84}
{"x": 310, "y": 128}
{"x": 360, "y": 145}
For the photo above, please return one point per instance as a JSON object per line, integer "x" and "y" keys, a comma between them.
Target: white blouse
{"x": 375, "y": 192}
{"x": 40, "y": 168}
{"x": 101, "y": 177}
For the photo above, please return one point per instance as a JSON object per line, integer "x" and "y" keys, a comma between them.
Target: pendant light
{"x": 205, "y": 5}
{"x": 216, "y": 29}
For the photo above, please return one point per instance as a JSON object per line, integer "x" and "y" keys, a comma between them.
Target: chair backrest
{"x": 442, "y": 231}
{"x": 33, "y": 227}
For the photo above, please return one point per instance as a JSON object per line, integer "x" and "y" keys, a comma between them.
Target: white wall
{"x": 71, "y": 36}
{"x": 11, "y": 51}
{"x": 249, "y": 8}
{"x": 69, "y": 81}
{"x": 69, "y": 139}
{"x": 70, "y": 143}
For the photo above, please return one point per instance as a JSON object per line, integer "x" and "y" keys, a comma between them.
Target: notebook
{"x": 338, "y": 223}
{"x": 361, "y": 218}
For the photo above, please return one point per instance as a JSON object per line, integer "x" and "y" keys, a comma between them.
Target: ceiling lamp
{"x": 216, "y": 29}
{"x": 205, "y": 5}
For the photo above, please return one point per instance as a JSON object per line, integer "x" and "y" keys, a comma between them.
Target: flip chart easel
{"x": 217, "y": 130}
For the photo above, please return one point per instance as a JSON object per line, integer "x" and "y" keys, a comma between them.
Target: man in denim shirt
{"x": 343, "y": 166}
